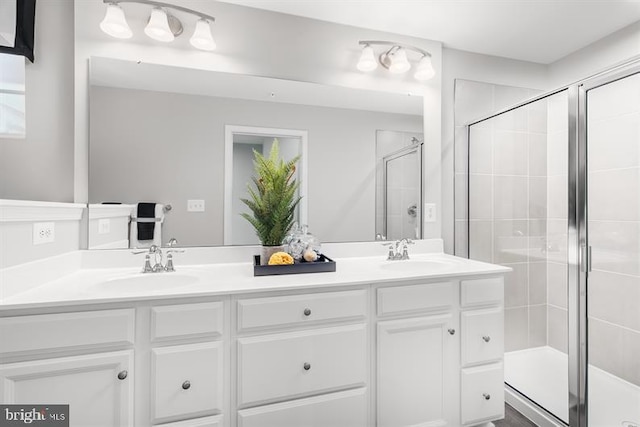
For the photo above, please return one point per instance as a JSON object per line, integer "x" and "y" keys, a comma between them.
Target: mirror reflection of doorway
{"x": 240, "y": 143}
{"x": 399, "y": 187}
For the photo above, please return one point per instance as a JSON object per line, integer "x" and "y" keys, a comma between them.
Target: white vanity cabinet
{"x": 302, "y": 360}
{"x": 390, "y": 352}
{"x": 68, "y": 358}
{"x": 482, "y": 350}
{"x": 416, "y": 351}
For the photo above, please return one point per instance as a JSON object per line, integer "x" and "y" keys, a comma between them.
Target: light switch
{"x": 429, "y": 212}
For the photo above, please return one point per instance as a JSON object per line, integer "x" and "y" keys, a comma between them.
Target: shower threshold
{"x": 541, "y": 374}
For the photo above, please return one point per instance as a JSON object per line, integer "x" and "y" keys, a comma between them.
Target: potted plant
{"x": 273, "y": 198}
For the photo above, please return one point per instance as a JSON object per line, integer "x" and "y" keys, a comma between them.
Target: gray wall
{"x": 40, "y": 167}
{"x": 341, "y": 169}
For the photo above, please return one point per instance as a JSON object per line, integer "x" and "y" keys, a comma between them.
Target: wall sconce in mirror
{"x": 162, "y": 25}
{"x": 394, "y": 58}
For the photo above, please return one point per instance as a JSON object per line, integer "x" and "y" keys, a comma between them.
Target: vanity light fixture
{"x": 395, "y": 59}
{"x": 162, "y": 25}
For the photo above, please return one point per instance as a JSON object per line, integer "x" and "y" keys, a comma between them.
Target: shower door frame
{"x": 579, "y": 407}
{"x": 578, "y": 249}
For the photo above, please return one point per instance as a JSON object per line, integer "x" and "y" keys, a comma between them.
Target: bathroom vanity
{"x": 376, "y": 343}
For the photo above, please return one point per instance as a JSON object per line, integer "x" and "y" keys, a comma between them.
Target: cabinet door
{"x": 414, "y": 370}
{"x": 98, "y": 388}
{"x": 187, "y": 380}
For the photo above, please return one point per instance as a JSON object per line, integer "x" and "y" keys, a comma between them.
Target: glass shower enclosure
{"x": 553, "y": 191}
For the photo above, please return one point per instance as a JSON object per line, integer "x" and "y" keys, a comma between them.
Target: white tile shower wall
{"x": 613, "y": 144}
{"x": 508, "y": 207}
{"x": 473, "y": 100}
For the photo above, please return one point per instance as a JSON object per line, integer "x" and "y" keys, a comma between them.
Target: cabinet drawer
{"x": 482, "y": 336}
{"x": 203, "y": 319}
{"x": 400, "y": 299}
{"x": 344, "y": 409}
{"x": 300, "y": 309}
{"x": 482, "y": 393}
{"x": 292, "y": 364}
{"x": 46, "y": 332}
{"x": 481, "y": 291}
{"x": 186, "y": 380}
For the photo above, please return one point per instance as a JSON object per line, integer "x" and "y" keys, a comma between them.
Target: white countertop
{"x": 76, "y": 284}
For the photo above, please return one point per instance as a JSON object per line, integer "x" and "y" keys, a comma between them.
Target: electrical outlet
{"x": 429, "y": 212}
{"x": 44, "y": 232}
{"x": 104, "y": 226}
{"x": 195, "y": 205}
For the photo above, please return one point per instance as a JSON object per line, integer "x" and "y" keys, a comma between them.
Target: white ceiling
{"x": 540, "y": 31}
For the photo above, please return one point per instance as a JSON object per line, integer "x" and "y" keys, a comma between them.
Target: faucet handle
{"x": 147, "y": 264}
{"x": 169, "y": 267}
{"x": 172, "y": 242}
{"x": 392, "y": 251}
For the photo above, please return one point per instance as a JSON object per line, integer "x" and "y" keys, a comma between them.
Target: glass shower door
{"x": 517, "y": 186}
{"x": 612, "y": 106}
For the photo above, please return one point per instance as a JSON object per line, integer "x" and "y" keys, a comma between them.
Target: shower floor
{"x": 541, "y": 374}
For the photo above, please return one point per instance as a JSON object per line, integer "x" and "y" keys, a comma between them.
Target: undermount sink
{"x": 147, "y": 282}
{"x": 417, "y": 266}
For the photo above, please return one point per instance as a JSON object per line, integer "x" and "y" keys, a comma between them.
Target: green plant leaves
{"x": 273, "y": 196}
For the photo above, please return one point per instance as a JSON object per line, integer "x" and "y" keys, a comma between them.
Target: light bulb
{"x": 158, "y": 26}
{"x": 367, "y": 60}
{"x": 202, "y": 38}
{"x": 399, "y": 62}
{"x": 115, "y": 23}
{"x": 424, "y": 70}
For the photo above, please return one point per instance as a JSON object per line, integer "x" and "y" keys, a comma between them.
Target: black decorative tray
{"x": 322, "y": 265}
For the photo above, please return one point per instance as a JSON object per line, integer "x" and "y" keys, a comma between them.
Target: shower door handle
{"x": 585, "y": 258}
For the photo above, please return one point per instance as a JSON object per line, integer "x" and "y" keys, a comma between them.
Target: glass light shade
{"x": 399, "y": 62}
{"x": 425, "y": 70}
{"x": 202, "y": 38}
{"x": 115, "y": 23}
{"x": 368, "y": 60}
{"x": 158, "y": 26}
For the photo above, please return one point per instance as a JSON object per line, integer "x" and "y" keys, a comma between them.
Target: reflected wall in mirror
{"x": 157, "y": 134}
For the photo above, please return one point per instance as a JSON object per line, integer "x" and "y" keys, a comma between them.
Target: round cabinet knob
{"x": 307, "y": 366}
{"x": 451, "y": 331}
{"x": 486, "y": 396}
{"x": 307, "y": 312}
{"x": 122, "y": 375}
{"x": 186, "y": 385}
{"x": 486, "y": 338}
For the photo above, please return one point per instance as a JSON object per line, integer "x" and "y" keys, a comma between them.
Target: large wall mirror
{"x": 158, "y": 135}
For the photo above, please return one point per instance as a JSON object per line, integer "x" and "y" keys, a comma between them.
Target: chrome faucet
{"x": 156, "y": 251}
{"x": 398, "y": 250}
